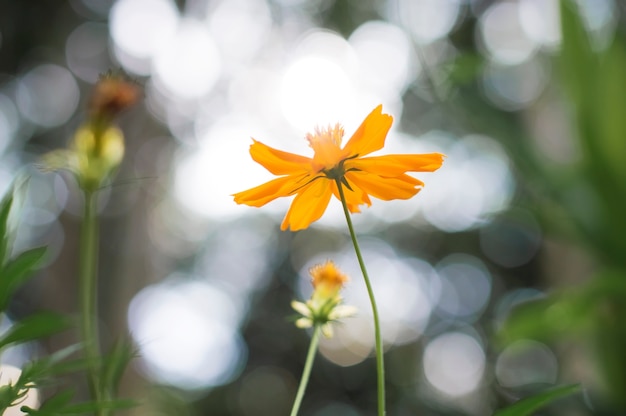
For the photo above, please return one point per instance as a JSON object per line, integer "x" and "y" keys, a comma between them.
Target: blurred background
{"x": 529, "y": 202}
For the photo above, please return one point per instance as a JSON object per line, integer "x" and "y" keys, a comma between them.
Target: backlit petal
{"x": 304, "y": 323}
{"x": 276, "y": 188}
{"x": 371, "y": 134}
{"x": 277, "y": 161}
{"x": 394, "y": 165}
{"x": 400, "y": 187}
{"x": 342, "y": 311}
{"x": 308, "y": 205}
{"x": 301, "y": 308}
{"x": 327, "y": 330}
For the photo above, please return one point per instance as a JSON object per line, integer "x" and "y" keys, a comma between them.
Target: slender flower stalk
{"x": 88, "y": 293}
{"x": 306, "y": 373}
{"x": 380, "y": 362}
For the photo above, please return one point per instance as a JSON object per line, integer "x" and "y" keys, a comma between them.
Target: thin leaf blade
{"x": 527, "y": 406}
{"x": 34, "y": 327}
{"x": 16, "y": 271}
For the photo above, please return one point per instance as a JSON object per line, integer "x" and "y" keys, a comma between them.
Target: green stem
{"x": 380, "y": 363}
{"x": 306, "y": 373}
{"x": 88, "y": 291}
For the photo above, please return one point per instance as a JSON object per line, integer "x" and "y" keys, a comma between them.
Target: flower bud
{"x": 324, "y": 307}
{"x": 98, "y": 154}
{"x": 112, "y": 94}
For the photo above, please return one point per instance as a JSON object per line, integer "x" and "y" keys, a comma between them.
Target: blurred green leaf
{"x": 609, "y": 109}
{"x": 115, "y": 363}
{"x": 60, "y": 405}
{"x": 577, "y": 59}
{"x": 546, "y": 319}
{"x": 58, "y": 363}
{"x": 34, "y": 327}
{"x": 466, "y": 68}
{"x": 82, "y": 408}
{"x": 16, "y": 271}
{"x": 53, "y": 405}
{"x": 594, "y": 79}
{"x": 527, "y": 406}
{"x": 166, "y": 401}
{"x": 7, "y": 205}
{"x": 10, "y": 394}
{"x": 5, "y": 209}
{"x": 569, "y": 312}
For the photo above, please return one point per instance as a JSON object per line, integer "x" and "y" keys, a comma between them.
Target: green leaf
{"x": 10, "y": 203}
{"x": 548, "y": 318}
{"x": 34, "y": 327}
{"x": 609, "y": 108}
{"x": 59, "y": 405}
{"x": 5, "y": 209}
{"x": 53, "y": 365}
{"x": 115, "y": 363}
{"x": 577, "y": 59}
{"x": 16, "y": 271}
{"x": 90, "y": 407}
{"x": 10, "y": 394}
{"x": 53, "y": 405}
{"x": 466, "y": 68}
{"x": 570, "y": 312}
{"x": 527, "y": 406}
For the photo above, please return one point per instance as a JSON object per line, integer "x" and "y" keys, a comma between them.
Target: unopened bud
{"x": 112, "y": 94}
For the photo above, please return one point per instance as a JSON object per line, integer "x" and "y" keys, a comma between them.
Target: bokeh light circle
{"x": 465, "y": 287}
{"x": 502, "y": 34}
{"x": 511, "y": 240}
{"x": 526, "y": 362}
{"x": 189, "y": 64}
{"x": 315, "y": 91}
{"x": 187, "y": 334}
{"x": 86, "y": 51}
{"x": 513, "y": 87}
{"x": 385, "y": 57}
{"x": 427, "y": 20}
{"x": 140, "y": 27}
{"x": 48, "y": 95}
{"x": 240, "y": 27}
{"x": 474, "y": 183}
{"x": 454, "y": 363}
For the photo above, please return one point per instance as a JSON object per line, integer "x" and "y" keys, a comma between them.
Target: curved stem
{"x": 310, "y": 357}
{"x": 88, "y": 292}
{"x": 380, "y": 363}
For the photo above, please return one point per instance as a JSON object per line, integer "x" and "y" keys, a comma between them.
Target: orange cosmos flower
{"x": 315, "y": 180}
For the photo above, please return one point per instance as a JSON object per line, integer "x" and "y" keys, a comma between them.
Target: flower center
{"x": 327, "y": 280}
{"x": 326, "y": 143}
{"x": 329, "y": 136}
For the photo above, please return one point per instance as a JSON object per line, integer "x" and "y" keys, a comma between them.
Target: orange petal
{"x": 394, "y": 165}
{"x": 277, "y": 161}
{"x": 370, "y": 136}
{"x": 308, "y": 205}
{"x": 269, "y": 191}
{"x": 400, "y": 187}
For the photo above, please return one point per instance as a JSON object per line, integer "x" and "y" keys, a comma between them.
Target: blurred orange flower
{"x": 324, "y": 307}
{"x": 314, "y": 180}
